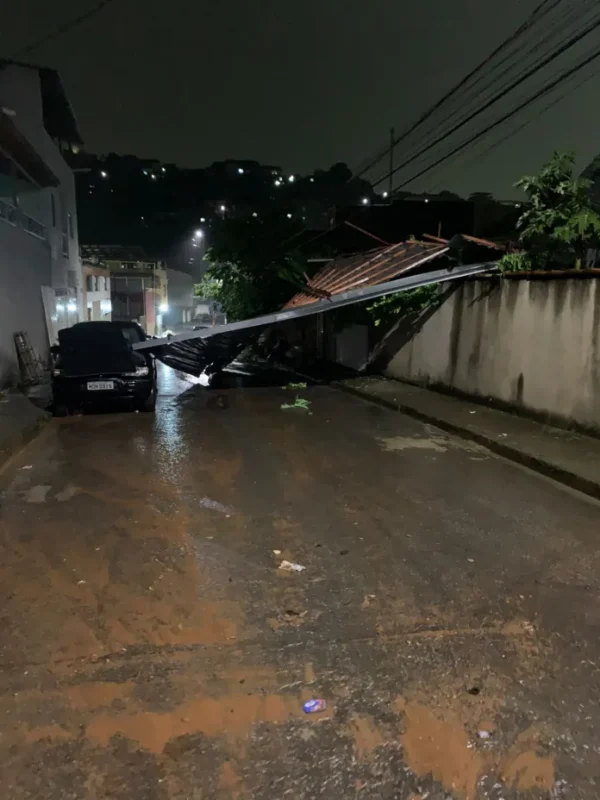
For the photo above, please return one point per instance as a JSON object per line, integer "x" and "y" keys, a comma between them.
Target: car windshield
{"x": 132, "y": 335}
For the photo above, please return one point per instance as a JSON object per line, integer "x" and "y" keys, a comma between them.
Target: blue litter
{"x": 312, "y": 706}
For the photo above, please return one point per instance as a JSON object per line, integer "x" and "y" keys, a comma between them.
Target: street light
{"x": 384, "y": 194}
{"x": 240, "y": 171}
{"x": 202, "y": 219}
{"x": 222, "y": 209}
{"x": 292, "y": 178}
{"x": 198, "y": 234}
{"x": 289, "y": 216}
{"x": 163, "y": 308}
{"x": 103, "y": 174}
{"x": 365, "y": 201}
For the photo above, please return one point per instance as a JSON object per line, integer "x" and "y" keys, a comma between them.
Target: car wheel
{"x": 149, "y": 404}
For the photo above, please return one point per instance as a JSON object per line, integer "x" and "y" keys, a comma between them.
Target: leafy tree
{"x": 559, "y": 222}
{"x": 252, "y": 269}
{"x": 390, "y": 308}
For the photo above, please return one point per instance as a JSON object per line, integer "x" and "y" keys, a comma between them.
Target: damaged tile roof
{"x": 377, "y": 266}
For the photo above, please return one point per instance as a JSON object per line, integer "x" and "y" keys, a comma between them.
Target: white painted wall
{"x": 531, "y": 344}
{"x": 26, "y": 262}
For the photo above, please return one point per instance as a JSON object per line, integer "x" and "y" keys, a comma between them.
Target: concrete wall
{"x": 24, "y": 268}
{"x": 531, "y": 344}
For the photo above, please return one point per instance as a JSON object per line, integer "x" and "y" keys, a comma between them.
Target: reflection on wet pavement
{"x": 152, "y": 647}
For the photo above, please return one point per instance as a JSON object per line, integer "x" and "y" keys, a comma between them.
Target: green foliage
{"x": 299, "y": 403}
{"x": 208, "y": 288}
{"x": 515, "y": 262}
{"x": 252, "y": 270}
{"x": 387, "y": 309}
{"x": 559, "y": 223}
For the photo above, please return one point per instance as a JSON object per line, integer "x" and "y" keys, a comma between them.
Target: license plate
{"x": 100, "y": 386}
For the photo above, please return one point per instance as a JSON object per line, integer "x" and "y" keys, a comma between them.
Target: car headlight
{"x": 140, "y": 372}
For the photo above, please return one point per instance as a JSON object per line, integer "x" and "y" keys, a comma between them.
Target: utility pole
{"x": 391, "y": 176}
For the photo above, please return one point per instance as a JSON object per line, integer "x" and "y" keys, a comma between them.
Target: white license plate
{"x": 100, "y": 386}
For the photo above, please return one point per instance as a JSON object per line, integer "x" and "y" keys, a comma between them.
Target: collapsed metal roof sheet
{"x": 367, "y": 269}
{"x": 193, "y": 351}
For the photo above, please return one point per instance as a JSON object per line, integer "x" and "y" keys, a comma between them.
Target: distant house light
{"x": 222, "y": 208}
{"x": 163, "y": 169}
{"x": 289, "y": 216}
{"x": 312, "y": 180}
{"x": 426, "y": 199}
{"x": 384, "y": 194}
{"x": 277, "y": 182}
{"x": 292, "y": 178}
{"x": 153, "y": 176}
{"x": 103, "y": 174}
{"x": 240, "y": 170}
{"x": 198, "y": 234}
{"x": 254, "y": 214}
{"x": 145, "y": 172}
{"x": 365, "y": 201}
{"x": 202, "y": 219}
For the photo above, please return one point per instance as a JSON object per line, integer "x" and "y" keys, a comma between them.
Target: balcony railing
{"x": 34, "y": 227}
{"x": 8, "y": 212}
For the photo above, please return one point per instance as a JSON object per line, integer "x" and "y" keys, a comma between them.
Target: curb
{"x": 14, "y": 444}
{"x": 547, "y": 468}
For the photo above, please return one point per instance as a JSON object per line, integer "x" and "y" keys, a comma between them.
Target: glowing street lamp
{"x": 198, "y": 234}
{"x": 365, "y": 201}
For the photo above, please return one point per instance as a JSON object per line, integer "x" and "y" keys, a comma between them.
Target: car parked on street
{"x": 94, "y": 363}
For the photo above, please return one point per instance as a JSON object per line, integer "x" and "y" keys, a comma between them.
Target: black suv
{"x": 94, "y": 361}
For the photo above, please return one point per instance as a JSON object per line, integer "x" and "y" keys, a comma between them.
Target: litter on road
{"x": 295, "y": 386}
{"x": 299, "y": 402}
{"x": 288, "y": 566}
{"x": 314, "y": 706}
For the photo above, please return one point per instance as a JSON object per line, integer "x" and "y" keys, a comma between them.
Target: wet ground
{"x": 151, "y": 647}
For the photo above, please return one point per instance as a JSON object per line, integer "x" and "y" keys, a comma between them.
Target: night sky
{"x": 297, "y": 83}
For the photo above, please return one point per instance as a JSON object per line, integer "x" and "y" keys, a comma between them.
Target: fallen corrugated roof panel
{"x": 367, "y": 269}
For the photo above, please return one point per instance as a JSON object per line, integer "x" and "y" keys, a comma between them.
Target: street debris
{"x": 471, "y": 560}
{"x": 29, "y": 466}
{"x": 277, "y": 552}
{"x": 213, "y": 505}
{"x": 314, "y": 706}
{"x": 295, "y": 386}
{"x": 299, "y": 403}
{"x": 474, "y": 690}
{"x": 288, "y": 566}
{"x": 484, "y": 734}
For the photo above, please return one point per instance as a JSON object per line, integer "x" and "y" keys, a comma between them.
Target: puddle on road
{"x": 37, "y": 494}
{"x": 399, "y": 443}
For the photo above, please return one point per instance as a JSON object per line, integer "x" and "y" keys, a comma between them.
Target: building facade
{"x": 138, "y": 284}
{"x": 40, "y": 272}
{"x": 96, "y": 292}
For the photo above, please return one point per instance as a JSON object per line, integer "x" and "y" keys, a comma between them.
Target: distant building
{"x": 96, "y": 292}
{"x": 138, "y": 284}
{"x": 40, "y": 270}
{"x": 180, "y": 310}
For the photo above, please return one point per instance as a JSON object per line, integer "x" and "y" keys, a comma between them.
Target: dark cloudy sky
{"x": 300, "y": 83}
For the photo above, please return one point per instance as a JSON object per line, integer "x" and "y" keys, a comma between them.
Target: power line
{"x": 65, "y": 27}
{"x": 516, "y": 65}
{"x": 533, "y": 17}
{"x": 513, "y": 85}
{"x": 547, "y": 89}
{"x": 536, "y": 115}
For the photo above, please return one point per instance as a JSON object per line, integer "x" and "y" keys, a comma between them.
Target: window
{"x": 71, "y": 226}
{"x": 97, "y": 283}
{"x": 71, "y": 279}
{"x": 101, "y": 283}
{"x": 89, "y": 283}
{"x": 53, "y": 206}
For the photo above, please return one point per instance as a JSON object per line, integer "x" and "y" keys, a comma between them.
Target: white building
{"x": 39, "y": 249}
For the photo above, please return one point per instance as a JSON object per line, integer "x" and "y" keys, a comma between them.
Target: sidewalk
{"x": 568, "y": 457}
{"x": 20, "y": 420}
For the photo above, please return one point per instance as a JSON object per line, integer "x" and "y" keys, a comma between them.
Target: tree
{"x": 252, "y": 268}
{"x": 559, "y": 222}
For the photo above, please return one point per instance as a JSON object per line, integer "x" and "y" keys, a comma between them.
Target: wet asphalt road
{"x": 151, "y": 648}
